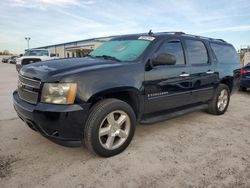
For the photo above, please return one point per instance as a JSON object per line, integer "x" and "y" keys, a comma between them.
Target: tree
{"x": 6, "y": 52}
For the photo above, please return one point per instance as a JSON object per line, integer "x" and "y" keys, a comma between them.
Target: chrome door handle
{"x": 184, "y": 75}
{"x": 210, "y": 72}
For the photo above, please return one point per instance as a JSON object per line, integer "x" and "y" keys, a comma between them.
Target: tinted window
{"x": 173, "y": 48}
{"x": 225, "y": 53}
{"x": 196, "y": 52}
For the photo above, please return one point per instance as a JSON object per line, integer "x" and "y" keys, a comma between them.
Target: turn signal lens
{"x": 72, "y": 94}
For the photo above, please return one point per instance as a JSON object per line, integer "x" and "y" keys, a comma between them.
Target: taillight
{"x": 242, "y": 71}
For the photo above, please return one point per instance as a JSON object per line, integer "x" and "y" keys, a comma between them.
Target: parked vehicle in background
{"x": 245, "y": 78}
{"x": 6, "y": 59}
{"x": 33, "y": 56}
{"x": 12, "y": 59}
{"x": 98, "y": 100}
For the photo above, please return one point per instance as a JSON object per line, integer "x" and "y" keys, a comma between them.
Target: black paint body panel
{"x": 156, "y": 89}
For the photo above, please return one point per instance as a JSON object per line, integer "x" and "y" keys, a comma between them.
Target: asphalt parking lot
{"x": 194, "y": 150}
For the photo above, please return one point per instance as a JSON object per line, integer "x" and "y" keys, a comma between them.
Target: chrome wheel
{"x": 114, "y": 130}
{"x": 222, "y": 100}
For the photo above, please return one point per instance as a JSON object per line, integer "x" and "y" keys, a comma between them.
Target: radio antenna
{"x": 150, "y": 32}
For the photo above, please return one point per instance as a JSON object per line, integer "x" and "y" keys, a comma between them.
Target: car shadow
{"x": 244, "y": 92}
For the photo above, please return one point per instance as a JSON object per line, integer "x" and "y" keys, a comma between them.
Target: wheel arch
{"x": 130, "y": 95}
{"x": 229, "y": 81}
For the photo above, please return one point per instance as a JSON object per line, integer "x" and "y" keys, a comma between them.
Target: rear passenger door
{"x": 202, "y": 73}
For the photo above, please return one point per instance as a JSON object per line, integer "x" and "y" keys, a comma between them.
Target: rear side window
{"x": 196, "y": 52}
{"x": 173, "y": 47}
{"x": 225, "y": 53}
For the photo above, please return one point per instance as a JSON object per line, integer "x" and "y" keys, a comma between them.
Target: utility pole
{"x": 28, "y": 41}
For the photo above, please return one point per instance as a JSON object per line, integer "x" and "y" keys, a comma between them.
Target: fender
{"x": 131, "y": 95}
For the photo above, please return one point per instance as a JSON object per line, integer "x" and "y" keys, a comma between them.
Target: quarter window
{"x": 196, "y": 52}
{"x": 174, "y": 48}
{"x": 225, "y": 53}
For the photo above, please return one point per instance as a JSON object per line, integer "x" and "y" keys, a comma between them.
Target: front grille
{"x": 30, "y": 60}
{"x": 28, "y": 89}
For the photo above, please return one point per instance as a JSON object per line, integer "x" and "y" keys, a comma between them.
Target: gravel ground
{"x": 194, "y": 150}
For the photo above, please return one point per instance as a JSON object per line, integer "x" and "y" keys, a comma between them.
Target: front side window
{"x": 225, "y": 53}
{"x": 196, "y": 52}
{"x": 36, "y": 53}
{"x": 173, "y": 47}
{"x": 123, "y": 50}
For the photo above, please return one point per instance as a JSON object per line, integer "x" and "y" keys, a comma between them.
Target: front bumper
{"x": 62, "y": 124}
{"x": 18, "y": 67}
{"x": 245, "y": 82}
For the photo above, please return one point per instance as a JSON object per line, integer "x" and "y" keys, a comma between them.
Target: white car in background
{"x": 33, "y": 56}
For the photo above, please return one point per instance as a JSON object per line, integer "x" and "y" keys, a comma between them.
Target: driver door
{"x": 168, "y": 86}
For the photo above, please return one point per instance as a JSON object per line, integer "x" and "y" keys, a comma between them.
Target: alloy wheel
{"x": 114, "y": 130}
{"x": 222, "y": 100}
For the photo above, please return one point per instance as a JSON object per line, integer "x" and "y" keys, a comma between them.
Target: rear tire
{"x": 219, "y": 104}
{"x": 110, "y": 127}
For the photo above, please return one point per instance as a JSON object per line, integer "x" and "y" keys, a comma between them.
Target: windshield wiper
{"x": 108, "y": 57}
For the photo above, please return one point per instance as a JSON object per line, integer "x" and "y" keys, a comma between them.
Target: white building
{"x": 76, "y": 48}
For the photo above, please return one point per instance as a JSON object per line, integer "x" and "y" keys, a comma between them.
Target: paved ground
{"x": 195, "y": 150}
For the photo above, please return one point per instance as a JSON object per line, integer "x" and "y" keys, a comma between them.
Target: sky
{"x": 50, "y": 22}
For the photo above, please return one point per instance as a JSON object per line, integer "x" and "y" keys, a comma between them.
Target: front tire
{"x": 110, "y": 127}
{"x": 219, "y": 104}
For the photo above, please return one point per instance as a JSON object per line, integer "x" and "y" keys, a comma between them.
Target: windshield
{"x": 37, "y": 53}
{"x": 122, "y": 50}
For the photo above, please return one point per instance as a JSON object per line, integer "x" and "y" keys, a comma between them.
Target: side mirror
{"x": 52, "y": 55}
{"x": 164, "y": 59}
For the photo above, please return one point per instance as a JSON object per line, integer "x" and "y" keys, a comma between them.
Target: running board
{"x": 166, "y": 116}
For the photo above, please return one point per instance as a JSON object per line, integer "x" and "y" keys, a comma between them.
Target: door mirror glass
{"x": 164, "y": 59}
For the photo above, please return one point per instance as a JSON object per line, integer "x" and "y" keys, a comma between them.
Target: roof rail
{"x": 174, "y": 32}
{"x": 221, "y": 40}
{"x": 195, "y": 36}
{"x": 179, "y": 33}
{"x": 207, "y": 38}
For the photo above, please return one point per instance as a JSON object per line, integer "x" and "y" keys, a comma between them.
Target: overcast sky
{"x": 57, "y": 21}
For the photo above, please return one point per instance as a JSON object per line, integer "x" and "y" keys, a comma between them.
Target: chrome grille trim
{"x": 28, "y": 89}
{"x": 30, "y": 82}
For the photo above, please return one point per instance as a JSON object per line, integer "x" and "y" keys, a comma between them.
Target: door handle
{"x": 210, "y": 72}
{"x": 184, "y": 75}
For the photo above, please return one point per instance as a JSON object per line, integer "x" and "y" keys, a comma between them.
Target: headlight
{"x": 59, "y": 93}
{"x": 18, "y": 61}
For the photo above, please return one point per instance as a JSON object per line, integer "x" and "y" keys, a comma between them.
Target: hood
{"x": 55, "y": 69}
{"x": 31, "y": 57}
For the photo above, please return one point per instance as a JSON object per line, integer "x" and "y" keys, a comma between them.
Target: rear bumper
{"x": 62, "y": 124}
{"x": 245, "y": 82}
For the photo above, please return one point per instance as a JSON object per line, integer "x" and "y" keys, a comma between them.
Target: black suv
{"x": 145, "y": 78}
